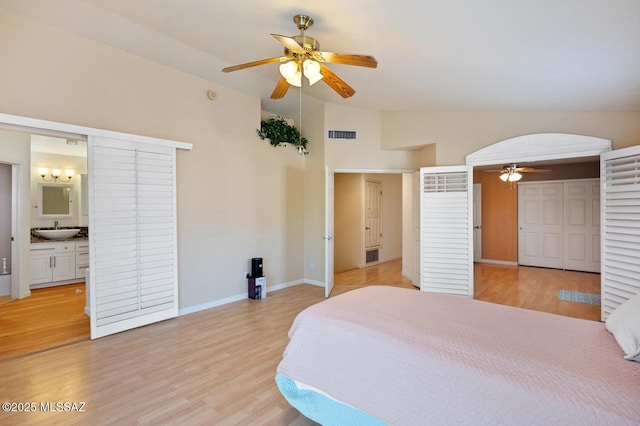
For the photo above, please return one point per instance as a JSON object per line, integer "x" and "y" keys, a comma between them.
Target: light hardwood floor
{"x": 536, "y": 288}
{"x": 50, "y": 317}
{"x": 211, "y": 367}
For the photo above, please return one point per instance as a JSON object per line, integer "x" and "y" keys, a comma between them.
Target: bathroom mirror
{"x": 56, "y": 200}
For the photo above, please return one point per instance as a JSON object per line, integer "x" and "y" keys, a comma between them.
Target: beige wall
{"x": 349, "y": 196}
{"x": 314, "y": 198}
{"x": 457, "y": 134}
{"x": 347, "y": 236}
{"x": 238, "y": 197}
{"x": 366, "y": 152}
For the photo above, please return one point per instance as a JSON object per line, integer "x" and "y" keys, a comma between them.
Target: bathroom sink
{"x": 57, "y": 234}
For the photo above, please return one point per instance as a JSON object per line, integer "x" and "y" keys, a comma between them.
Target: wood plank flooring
{"x": 211, "y": 367}
{"x": 536, "y": 288}
{"x": 50, "y": 317}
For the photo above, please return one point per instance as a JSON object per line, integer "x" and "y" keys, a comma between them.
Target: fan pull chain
{"x": 300, "y": 148}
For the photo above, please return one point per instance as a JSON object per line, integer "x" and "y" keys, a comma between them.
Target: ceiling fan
{"x": 513, "y": 173}
{"x": 303, "y": 57}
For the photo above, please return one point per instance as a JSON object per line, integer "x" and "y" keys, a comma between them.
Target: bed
{"x": 385, "y": 355}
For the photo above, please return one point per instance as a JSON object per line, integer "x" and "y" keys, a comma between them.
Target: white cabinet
{"x": 82, "y": 258}
{"x": 56, "y": 263}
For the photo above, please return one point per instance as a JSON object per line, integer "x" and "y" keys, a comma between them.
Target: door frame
{"x": 537, "y": 147}
{"x": 64, "y": 130}
{"x": 329, "y": 174}
{"x": 477, "y": 221}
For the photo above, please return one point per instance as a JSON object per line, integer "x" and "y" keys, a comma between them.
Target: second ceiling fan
{"x": 303, "y": 57}
{"x": 513, "y": 173}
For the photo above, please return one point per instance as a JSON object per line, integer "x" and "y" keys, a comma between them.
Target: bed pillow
{"x": 624, "y": 324}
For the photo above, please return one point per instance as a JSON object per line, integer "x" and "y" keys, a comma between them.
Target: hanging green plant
{"x": 279, "y": 132}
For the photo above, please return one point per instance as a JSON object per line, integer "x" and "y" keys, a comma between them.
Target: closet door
{"x": 132, "y": 225}
{"x": 540, "y": 225}
{"x": 446, "y": 251}
{"x": 620, "y": 180}
{"x": 582, "y": 225}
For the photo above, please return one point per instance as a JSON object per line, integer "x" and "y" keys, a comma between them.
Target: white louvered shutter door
{"x": 446, "y": 231}
{"x": 133, "y": 272}
{"x": 620, "y": 204}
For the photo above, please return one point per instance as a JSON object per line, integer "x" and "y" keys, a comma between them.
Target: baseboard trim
{"x": 243, "y": 296}
{"x": 499, "y": 262}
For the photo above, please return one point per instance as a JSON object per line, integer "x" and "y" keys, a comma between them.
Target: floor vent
{"x": 342, "y": 134}
{"x": 372, "y": 256}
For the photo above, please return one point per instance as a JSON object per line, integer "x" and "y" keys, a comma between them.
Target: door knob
{"x": 366, "y": 228}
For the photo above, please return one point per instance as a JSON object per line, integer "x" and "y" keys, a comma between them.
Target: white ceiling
{"x": 433, "y": 55}
{"x": 53, "y": 145}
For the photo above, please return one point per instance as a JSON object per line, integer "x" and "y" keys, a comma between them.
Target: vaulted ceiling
{"x": 433, "y": 55}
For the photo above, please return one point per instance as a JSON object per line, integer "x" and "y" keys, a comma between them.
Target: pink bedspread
{"x": 409, "y": 357}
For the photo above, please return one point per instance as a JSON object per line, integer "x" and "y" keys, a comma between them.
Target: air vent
{"x": 372, "y": 256}
{"x": 343, "y": 134}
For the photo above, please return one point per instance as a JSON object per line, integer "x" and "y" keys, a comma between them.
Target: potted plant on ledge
{"x": 279, "y": 133}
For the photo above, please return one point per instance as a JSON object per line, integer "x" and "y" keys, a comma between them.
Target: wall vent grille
{"x": 372, "y": 256}
{"x": 343, "y": 134}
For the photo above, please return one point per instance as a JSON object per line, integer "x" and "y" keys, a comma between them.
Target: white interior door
{"x": 620, "y": 190}
{"x": 372, "y": 214}
{"x": 328, "y": 236}
{"x": 477, "y": 222}
{"x": 446, "y": 255}
{"x": 540, "y": 230}
{"x": 582, "y": 225}
{"x": 132, "y": 223}
{"x": 415, "y": 216}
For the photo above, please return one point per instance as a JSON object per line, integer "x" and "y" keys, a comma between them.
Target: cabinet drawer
{"x": 65, "y": 247}
{"x": 82, "y": 246}
{"x": 42, "y": 248}
{"x": 81, "y": 271}
{"x": 82, "y": 259}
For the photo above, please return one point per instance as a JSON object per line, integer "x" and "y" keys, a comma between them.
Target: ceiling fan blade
{"x": 281, "y": 89}
{"x": 349, "y": 59}
{"x": 530, "y": 170}
{"x": 255, "y": 63}
{"x": 289, "y": 43}
{"x": 336, "y": 83}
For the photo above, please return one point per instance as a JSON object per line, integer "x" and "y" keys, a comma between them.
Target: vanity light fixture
{"x": 55, "y": 175}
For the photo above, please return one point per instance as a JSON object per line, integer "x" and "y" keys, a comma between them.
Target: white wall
{"x": 15, "y": 148}
{"x": 5, "y": 213}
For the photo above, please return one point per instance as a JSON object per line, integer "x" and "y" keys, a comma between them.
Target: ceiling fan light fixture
{"x": 295, "y": 80}
{"x": 510, "y": 176}
{"x": 311, "y": 70}
{"x": 289, "y": 69}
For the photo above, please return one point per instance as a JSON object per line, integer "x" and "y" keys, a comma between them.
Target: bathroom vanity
{"x": 58, "y": 263}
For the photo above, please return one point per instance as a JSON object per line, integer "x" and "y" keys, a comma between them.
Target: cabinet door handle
{"x": 54, "y": 261}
